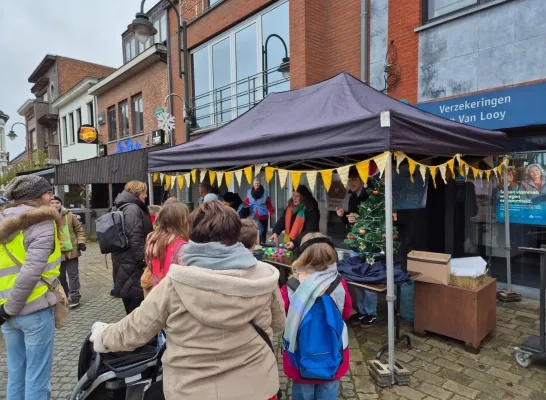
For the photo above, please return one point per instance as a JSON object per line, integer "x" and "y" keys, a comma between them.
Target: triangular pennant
{"x": 343, "y": 173}
{"x": 433, "y": 171}
{"x": 167, "y": 182}
{"x": 248, "y": 175}
{"x": 257, "y": 169}
{"x": 212, "y": 177}
{"x": 239, "y": 176}
{"x": 443, "y": 171}
{"x": 202, "y": 175}
{"x": 296, "y": 176}
{"x": 187, "y": 178}
{"x": 489, "y": 161}
{"x": 173, "y": 182}
{"x": 423, "y": 171}
{"x": 498, "y": 171}
{"x": 466, "y": 169}
{"x": 155, "y": 176}
{"x": 488, "y": 175}
{"x": 506, "y": 162}
{"x": 451, "y": 166}
{"x": 219, "y": 176}
{"x": 228, "y": 176}
{"x": 194, "y": 175}
{"x": 400, "y": 156}
{"x": 327, "y": 178}
{"x": 180, "y": 179}
{"x": 161, "y": 177}
{"x": 412, "y": 164}
{"x": 282, "y": 177}
{"x": 363, "y": 169}
{"x": 381, "y": 162}
{"x": 475, "y": 172}
{"x": 312, "y": 180}
{"x": 269, "y": 172}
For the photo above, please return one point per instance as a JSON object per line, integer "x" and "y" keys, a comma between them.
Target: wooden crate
{"x": 462, "y": 314}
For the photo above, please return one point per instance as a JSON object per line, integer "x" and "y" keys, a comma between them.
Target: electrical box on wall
{"x": 101, "y": 119}
{"x": 103, "y": 150}
{"x": 158, "y": 137}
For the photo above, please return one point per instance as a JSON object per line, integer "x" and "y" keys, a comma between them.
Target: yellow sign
{"x": 87, "y": 134}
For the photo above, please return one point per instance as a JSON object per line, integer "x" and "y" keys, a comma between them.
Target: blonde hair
{"x": 136, "y": 187}
{"x": 249, "y": 233}
{"x": 316, "y": 257}
{"x": 171, "y": 200}
{"x": 172, "y": 224}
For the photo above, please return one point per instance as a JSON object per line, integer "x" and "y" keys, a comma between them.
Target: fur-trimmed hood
{"x": 18, "y": 218}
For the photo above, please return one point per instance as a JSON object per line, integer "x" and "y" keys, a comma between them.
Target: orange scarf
{"x": 294, "y": 230}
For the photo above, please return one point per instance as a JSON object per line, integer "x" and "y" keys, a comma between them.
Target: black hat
{"x": 58, "y": 199}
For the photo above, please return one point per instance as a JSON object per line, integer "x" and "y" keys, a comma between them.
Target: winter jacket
{"x": 312, "y": 222}
{"x": 290, "y": 370}
{"x": 77, "y": 234}
{"x": 39, "y": 241}
{"x": 129, "y": 264}
{"x": 213, "y": 352}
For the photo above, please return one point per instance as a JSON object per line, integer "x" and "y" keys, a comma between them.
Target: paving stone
{"x": 408, "y": 393}
{"x": 429, "y": 377}
{"x": 435, "y": 391}
{"x": 499, "y": 373}
{"x": 462, "y": 390}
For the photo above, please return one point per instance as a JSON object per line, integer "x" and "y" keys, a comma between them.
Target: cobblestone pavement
{"x": 440, "y": 368}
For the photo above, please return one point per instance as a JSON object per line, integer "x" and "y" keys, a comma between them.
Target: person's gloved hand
{"x": 82, "y": 247}
{"x": 4, "y": 316}
{"x": 96, "y": 337}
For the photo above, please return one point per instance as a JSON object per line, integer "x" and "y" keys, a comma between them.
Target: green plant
{"x": 36, "y": 161}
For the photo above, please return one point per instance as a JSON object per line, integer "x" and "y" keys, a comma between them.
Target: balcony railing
{"x": 223, "y": 104}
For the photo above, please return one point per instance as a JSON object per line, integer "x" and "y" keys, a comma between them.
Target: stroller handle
{"x": 93, "y": 372}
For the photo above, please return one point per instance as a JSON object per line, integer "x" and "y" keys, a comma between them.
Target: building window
{"x": 438, "y": 8}
{"x": 124, "y": 119}
{"x": 131, "y": 49}
{"x": 31, "y": 138}
{"x": 227, "y": 71}
{"x": 71, "y": 134}
{"x": 90, "y": 114}
{"x": 160, "y": 23}
{"x": 213, "y": 2}
{"x": 65, "y": 132}
{"x": 78, "y": 119}
{"x": 138, "y": 114}
{"x": 112, "y": 127}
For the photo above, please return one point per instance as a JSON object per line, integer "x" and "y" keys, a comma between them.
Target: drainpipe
{"x": 364, "y": 41}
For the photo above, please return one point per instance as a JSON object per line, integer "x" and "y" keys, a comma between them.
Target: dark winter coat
{"x": 129, "y": 264}
{"x": 354, "y": 202}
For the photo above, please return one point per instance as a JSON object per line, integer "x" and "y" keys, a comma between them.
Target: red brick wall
{"x": 404, "y": 17}
{"x": 73, "y": 71}
{"x": 152, "y": 83}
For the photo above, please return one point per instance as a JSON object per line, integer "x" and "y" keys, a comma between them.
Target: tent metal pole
{"x": 391, "y": 298}
{"x": 507, "y": 231}
{"x": 150, "y": 189}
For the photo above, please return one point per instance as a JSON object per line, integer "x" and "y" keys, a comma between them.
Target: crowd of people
{"x": 194, "y": 277}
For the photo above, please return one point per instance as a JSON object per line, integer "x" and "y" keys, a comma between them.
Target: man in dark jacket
{"x": 366, "y": 300}
{"x": 129, "y": 264}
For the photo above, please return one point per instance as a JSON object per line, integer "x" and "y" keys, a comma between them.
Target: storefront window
{"x": 221, "y": 78}
{"x": 247, "y": 68}
{"x": 276, "y": 22}
{"x": 201, "y": 87}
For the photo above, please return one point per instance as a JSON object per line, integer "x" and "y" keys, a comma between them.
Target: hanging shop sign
{"x": 498, "y": 109}
{"x": 88, "y": 134}
{"x": 127, "y": 145}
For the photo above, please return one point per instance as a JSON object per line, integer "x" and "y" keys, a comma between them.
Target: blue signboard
{"x": 124, "y": 146}
{"x": 505, "y": 108}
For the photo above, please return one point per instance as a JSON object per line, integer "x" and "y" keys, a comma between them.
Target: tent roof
{"x": 334, "y": 118}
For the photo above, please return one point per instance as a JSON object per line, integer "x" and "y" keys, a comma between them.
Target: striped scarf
{"x": 293, "y": 230}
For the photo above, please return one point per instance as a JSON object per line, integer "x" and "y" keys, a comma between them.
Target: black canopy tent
{"x": 329, "y": 122}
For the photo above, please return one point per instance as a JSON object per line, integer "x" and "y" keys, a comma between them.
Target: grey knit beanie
{"x": 27, "y": 187}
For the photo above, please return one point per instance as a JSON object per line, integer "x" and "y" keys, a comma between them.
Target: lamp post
{"x": 143, "y": 29}
{"x": 284, "y": 67}
{"x": 11, "y": 134}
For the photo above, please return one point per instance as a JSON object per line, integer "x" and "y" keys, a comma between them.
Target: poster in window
{"x": 88, "y": 134}
{"x": 526, "y": 195}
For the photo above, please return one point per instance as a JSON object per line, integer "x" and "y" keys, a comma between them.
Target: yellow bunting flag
{"x": 433, "y": 171}
{"x": 498, "y": 171}
{"x": 423, "y": 171}
{"x": 475, "y": 172}
{"x": 381, "y": 162}
{"x": 363, "y": 169}
{"x": 343, "y": 173}
{"x": 212, "y": 177}
{"x": 220, "y": 176}
{"x": 202, "y": 175}
{"x": 180, "y": 179}
{"x": 296, "y": 176}
{"x": 193, "y": 175}
{"x": 282, "y": 177}
{"x": 167, "y": 182}
{"x": 327, "y": 178}
{"x": 312, "y": 180}
{"x": 488, "y": 175}
{"x": 466, "y": 169}
{"x": 155, "y": 176}
{"x": 257, "y": 169}
{"x": 161, "y": 177}
{"x": 269, "y": 172}
{"x": 248, "y": 175}
{"x": 239, "y": 176}
{"x": 229, "y": 178}
{"x": 400, "y": 156}
{"x": 443, "y": 171}
{"x": 187, "y": 178}
{"x": 412, "y": 165}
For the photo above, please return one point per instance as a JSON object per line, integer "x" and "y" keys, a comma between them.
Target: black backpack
{"x": 110, "y": 230}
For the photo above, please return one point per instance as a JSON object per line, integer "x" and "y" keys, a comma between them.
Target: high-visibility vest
{"x": 9, "y": 271}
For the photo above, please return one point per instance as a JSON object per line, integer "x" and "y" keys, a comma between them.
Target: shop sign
{"x": 505, "y": 108}
{"x": 87, "y": 134}
{"x": 127, "y": 145}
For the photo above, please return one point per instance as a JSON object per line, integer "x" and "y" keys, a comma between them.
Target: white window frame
{"x": 255, "y": 19}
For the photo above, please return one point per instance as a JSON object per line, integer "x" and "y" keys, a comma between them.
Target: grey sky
{"x": 88, "y": 30}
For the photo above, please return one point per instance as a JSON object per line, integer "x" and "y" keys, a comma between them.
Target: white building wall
{"x": 74, "y": 150}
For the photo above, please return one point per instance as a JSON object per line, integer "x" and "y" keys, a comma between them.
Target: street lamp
{"x": 144, "y": 30}
{"x": 11, "y": 134}
{"x": 284, "y": 68}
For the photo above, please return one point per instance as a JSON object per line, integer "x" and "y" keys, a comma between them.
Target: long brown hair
{"x": 172, "y": 224}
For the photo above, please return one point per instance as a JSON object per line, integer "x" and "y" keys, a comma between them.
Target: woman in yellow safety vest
{"x": 30, "y": 256}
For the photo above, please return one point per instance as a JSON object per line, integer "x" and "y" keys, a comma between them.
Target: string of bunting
{"x": 363, "y": 168}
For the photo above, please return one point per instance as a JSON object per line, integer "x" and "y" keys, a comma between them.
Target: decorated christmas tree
{"x": 368, "y": 232}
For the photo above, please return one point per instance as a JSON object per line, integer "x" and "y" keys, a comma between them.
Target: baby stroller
{"x": 120, "y": 376}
